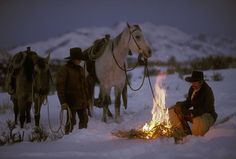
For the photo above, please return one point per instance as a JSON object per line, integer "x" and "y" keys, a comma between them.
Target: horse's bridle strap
{"x": 131, "y": 35}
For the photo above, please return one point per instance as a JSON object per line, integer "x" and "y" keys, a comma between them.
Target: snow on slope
{"x": 166, "y": 41}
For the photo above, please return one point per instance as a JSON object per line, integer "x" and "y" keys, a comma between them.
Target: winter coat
{"x": 202, "y": 102}
{"x": 72, "y": 87}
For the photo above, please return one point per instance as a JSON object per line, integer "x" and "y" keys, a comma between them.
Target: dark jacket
{"x": 202, "y": 102}
{"x": 72, "y": 87}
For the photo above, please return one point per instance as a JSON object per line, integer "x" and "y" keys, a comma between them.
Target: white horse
{"x": 110, "y": 66}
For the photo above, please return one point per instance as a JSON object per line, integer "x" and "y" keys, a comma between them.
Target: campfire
{"x": 159, "y": 126}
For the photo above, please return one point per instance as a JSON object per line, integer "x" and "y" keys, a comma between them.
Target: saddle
{"x": 14, "y": 65}
{"x": 97, "y": 49}
{"x": 94, "y": 52}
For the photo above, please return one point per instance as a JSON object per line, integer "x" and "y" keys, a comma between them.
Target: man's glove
{"x": 188, "y": 117}
{"x": 64, "y": 106}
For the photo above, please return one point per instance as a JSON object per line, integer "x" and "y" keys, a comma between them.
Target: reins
{"x": 150, "y": 84}
{"x": 117, "y": 63}
{"x": 61, "y": 125}
{"x": 145, "y": 71}
{"x": 125, "y": 69}
{"x": 127, "y": 80}
{"x": 42, "y": 95}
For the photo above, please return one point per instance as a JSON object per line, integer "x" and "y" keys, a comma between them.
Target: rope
{"x": 60, "y": 119}
{"x": 123, "y": 69}
{"x": 150, "y": 84}
{"x": 135, "y": 89}
{"x": 112, "y": 47}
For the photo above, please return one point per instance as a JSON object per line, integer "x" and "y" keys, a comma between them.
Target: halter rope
{"x": 124, "y": 69}
{"x": 127, "y": 80}
{"x": 112, "y": 50}
{"x": 117, "y": 63}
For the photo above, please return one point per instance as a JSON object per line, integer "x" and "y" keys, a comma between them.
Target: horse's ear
{"x": 128, "y": 25}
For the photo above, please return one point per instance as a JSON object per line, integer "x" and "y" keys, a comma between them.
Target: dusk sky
{"x": 27, "y": 21}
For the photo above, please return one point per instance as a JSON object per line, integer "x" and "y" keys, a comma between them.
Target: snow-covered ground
{"x": 97, "y": 141}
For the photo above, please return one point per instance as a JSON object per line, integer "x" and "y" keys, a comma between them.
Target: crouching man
{"x": 197, "y": 109}
{"x": 72, "y": 90}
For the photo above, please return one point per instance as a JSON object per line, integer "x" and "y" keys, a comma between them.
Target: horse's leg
{"x": 38, "y": 100}
{"x": 108, "y": 101}
{"x": 16, "y": 108}
{"x": 105, "y": 103}
{"x": 28, "y": 108}
{"x": 99, "y": 102}
{"x": 124, "y": 95}
{"x": 22, "y": 108}
{"x": 106, "y": 111}
{"x": 91, "y": 87}
{"x": 117, "y": 105}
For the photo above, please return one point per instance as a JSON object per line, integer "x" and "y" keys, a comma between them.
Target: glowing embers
{"x": 159, "y": 125}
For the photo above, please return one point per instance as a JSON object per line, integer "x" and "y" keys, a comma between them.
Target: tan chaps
{"x": 200, "y": 124}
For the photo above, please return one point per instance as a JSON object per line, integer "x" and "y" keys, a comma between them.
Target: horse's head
{"x": 41, "y": 75}
{"x": 137, "y": 42}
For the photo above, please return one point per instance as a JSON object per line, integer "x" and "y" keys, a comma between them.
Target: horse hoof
{"x": 104, "y": 120}
{"x": 110, "y": 114}
{"x": 118, "y": 120}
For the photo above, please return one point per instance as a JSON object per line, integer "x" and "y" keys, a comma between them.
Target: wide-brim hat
{"x": 195, "y": 77}
{"x": 76, "y": 54}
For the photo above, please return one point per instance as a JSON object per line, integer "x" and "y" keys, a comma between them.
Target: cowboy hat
{"x": 76, "y": 54}
{"x": 196, "y": 76}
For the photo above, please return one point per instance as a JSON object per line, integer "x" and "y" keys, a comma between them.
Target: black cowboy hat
{"x": 196, "y": 76}
{"x": 76, "y": 54}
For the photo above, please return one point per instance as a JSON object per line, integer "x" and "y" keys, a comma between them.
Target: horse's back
{"x": 107, "y": 71}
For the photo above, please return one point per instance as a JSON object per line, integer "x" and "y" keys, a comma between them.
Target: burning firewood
{"x": 156, "y": 132}
{"x": 160, "y": 125}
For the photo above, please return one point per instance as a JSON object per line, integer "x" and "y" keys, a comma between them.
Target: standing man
{"x": 72, "y": 90}
{"x": 197, "y": 109}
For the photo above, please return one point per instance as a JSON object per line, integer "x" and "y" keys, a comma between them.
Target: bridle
{"x": 36, "y": 83}
{"x": 131, "y": 35}
{"x": 124, "y": 67}
{"x": 135, "y": 41}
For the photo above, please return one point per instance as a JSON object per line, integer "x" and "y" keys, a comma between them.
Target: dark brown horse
{"x": 31, "y": 84}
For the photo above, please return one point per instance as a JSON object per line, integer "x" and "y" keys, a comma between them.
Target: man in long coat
{"x": 197, "y": 109}
{"x": 72, "y": 90}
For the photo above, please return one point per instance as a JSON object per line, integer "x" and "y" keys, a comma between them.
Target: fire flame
{"x": 160, "y": 115}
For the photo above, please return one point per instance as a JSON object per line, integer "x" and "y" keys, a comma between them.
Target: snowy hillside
{"x": 166, "y": 41}
{"x": 98, "y": 142}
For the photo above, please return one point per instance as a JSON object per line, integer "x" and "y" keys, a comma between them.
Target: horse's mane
{"x": 118, "y": 38}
